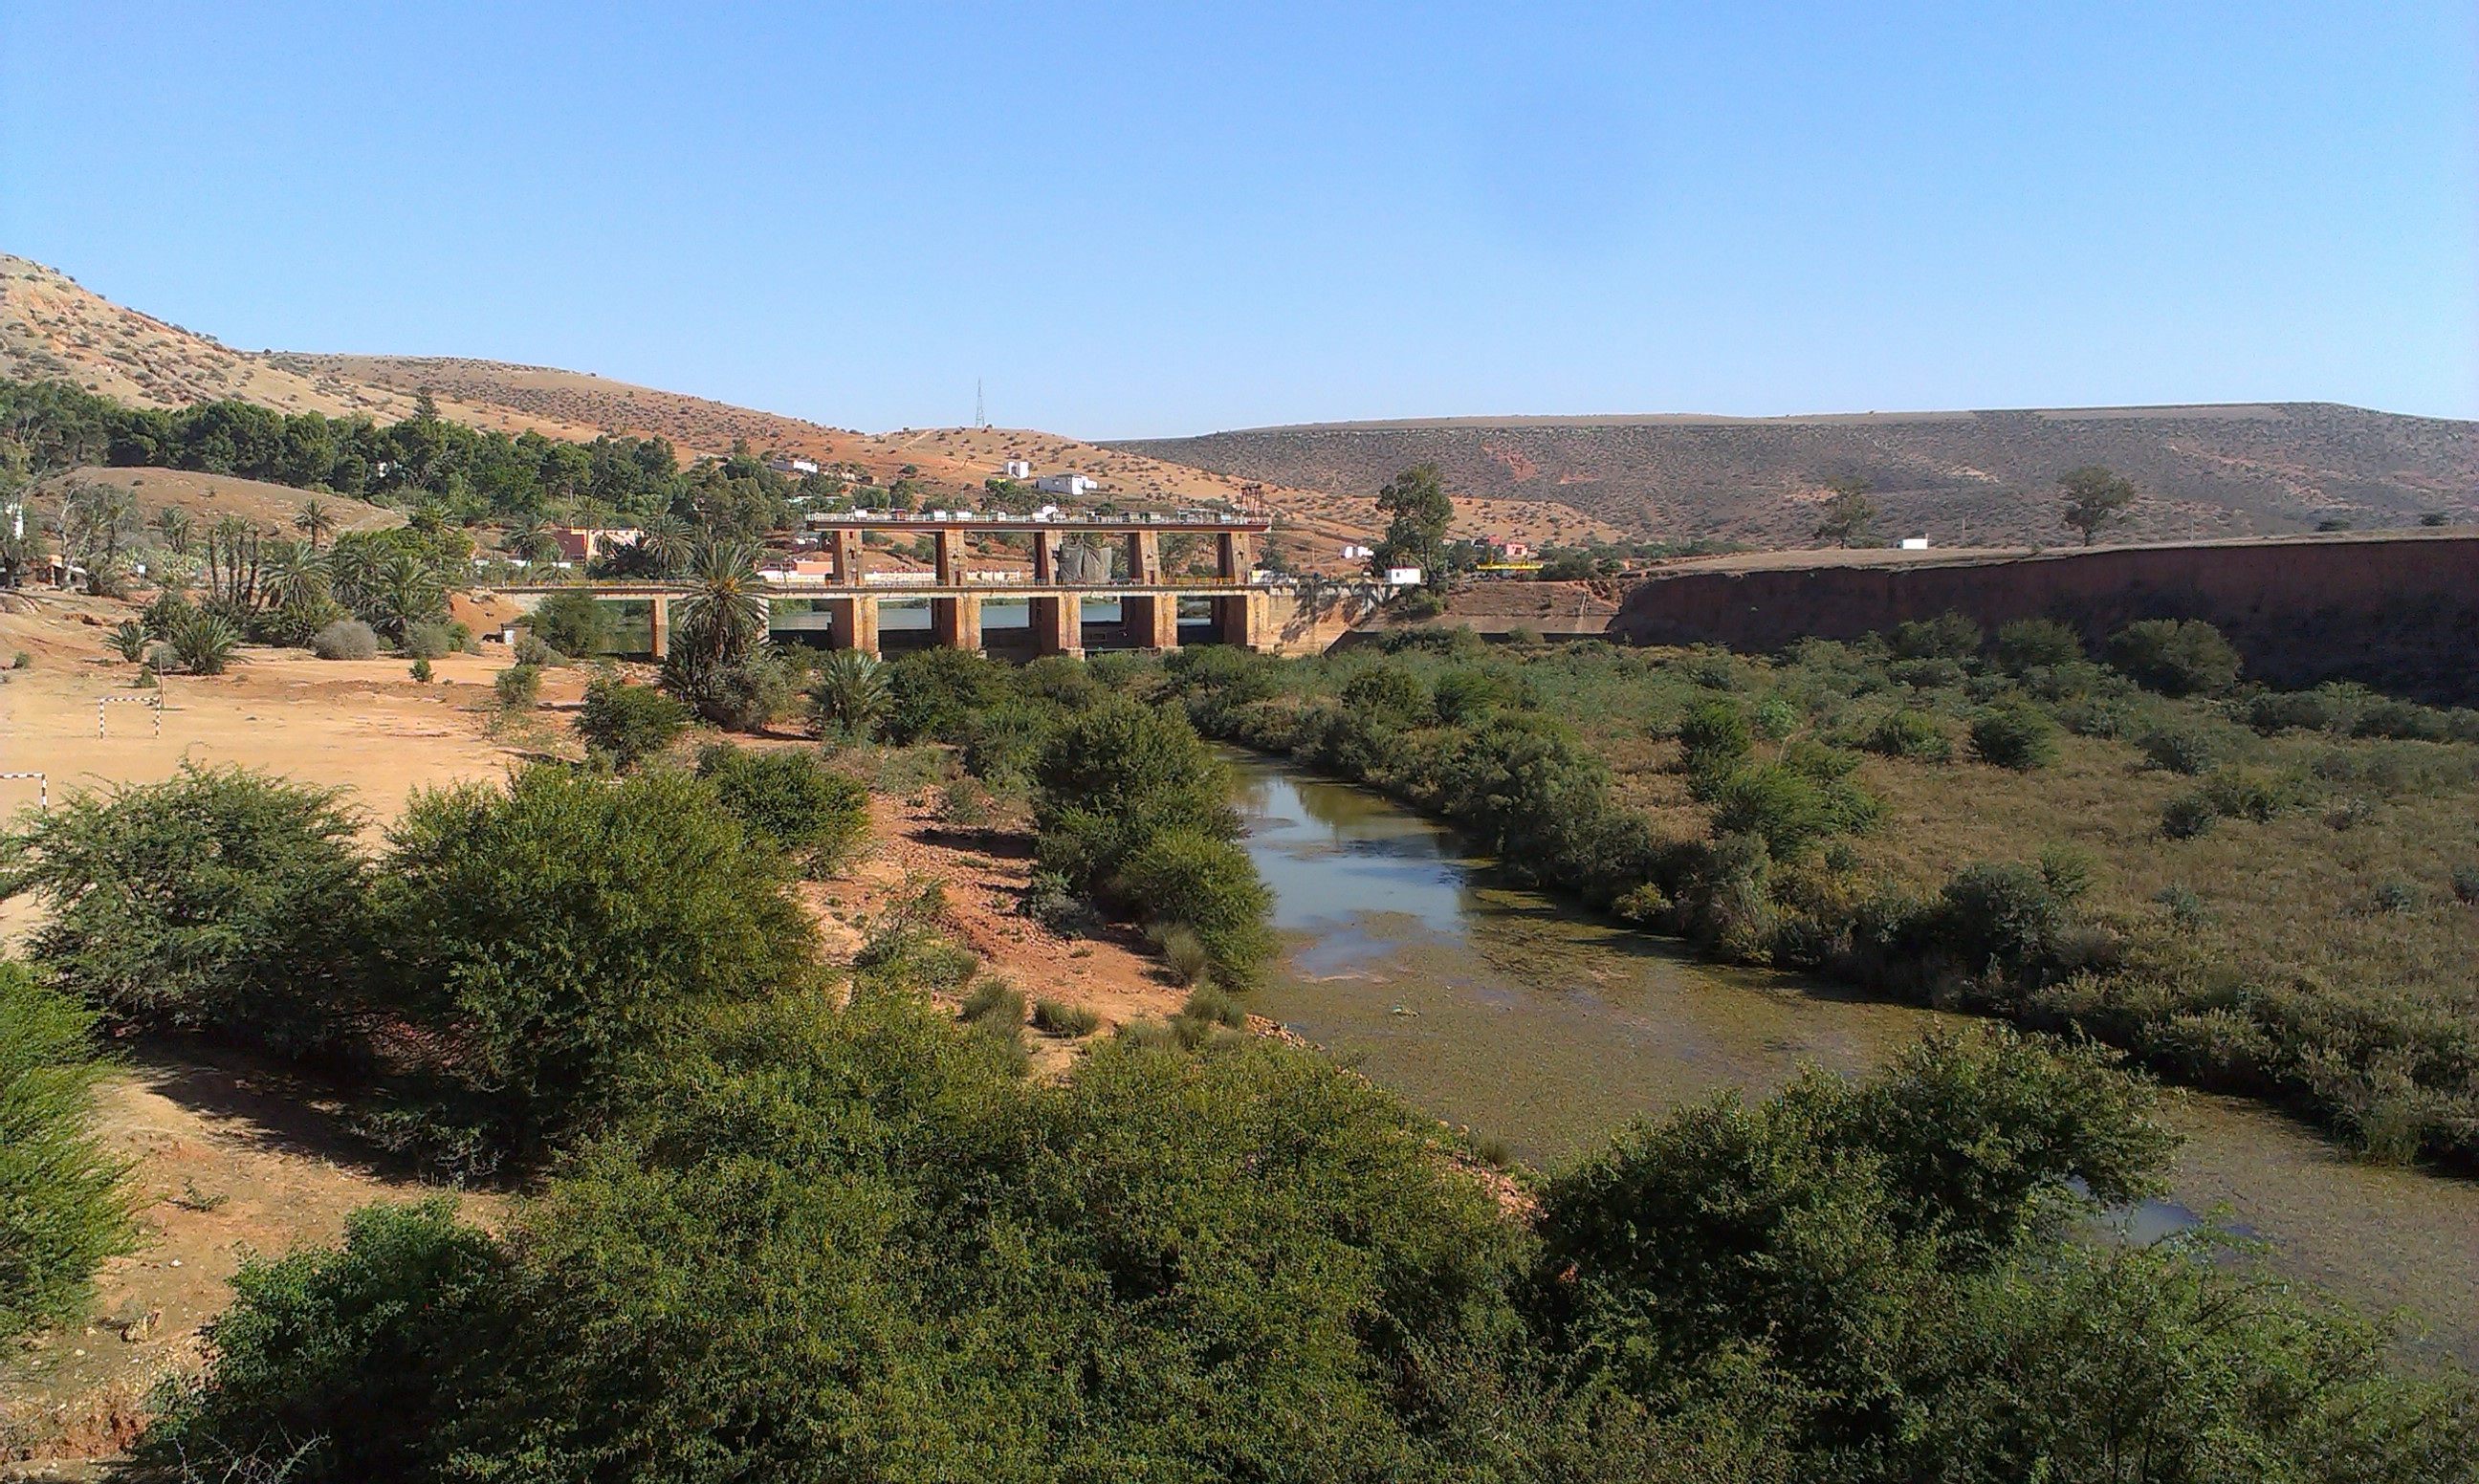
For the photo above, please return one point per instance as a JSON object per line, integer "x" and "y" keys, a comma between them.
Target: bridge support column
{"x": 849, "y": 555}
{"x": 956, "y": 622}
{"x": 950, "y": 548}
{"x": 1236, "y": 620}
{"x": 1144, "y": 558}
{"x": 1045, "y": 558}
{"x": 1153, "y": 622}
{"x": 1234, "y": 554}
{"x": 855, "y": 624}
{"x": 1057, "y": 625}
{"x": 659, "y": 623}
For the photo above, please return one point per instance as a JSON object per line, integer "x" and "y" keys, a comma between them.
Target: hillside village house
{"x": 1016, "y": 469}
{"x": 585, "y": 543}
{"x": 1070, "y": 485}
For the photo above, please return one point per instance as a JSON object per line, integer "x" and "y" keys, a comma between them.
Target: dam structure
{"x": 1090, "y": 582}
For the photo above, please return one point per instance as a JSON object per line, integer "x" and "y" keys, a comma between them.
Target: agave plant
{"x": 849, "y": 696}
{"x": 204, "y": 641}
{"x": 129, "y": 640}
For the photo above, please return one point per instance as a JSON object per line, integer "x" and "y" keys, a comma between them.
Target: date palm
{"x": 849, "y": 697}
{"x": 315, "y": 520}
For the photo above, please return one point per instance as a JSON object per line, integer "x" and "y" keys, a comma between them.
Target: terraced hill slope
{"x": 1955, "y": 476}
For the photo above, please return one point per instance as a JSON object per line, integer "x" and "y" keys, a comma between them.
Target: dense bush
{"x": 932, "y": 693}
{"x": 791, "y": 798}
{"x": 336, "y": 1364}
{"x": 1183, "y": 878}
{"x": 62, "y": 1209}
{"x": 346, "y": 639}
{"x": 848, "y": 695}
{"x": 2175, "y": 656}
{"x": 856, "y": 1243}
{"x": 219, "y": 900}
{"x": 517, "y": 687}
{"x": 628, "y": 724}
{"x": 2186, "y": 750}
{"x": 1909, "y": 733}
{"x": 2017, "y": 736}
{"x": 551, "y": 929}
{"x": 2026, "y": 645}
{"x": 1950, "y": 635}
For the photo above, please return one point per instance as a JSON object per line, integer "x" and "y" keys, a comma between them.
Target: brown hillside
{"x": 1978, "y": 475}
{"x": 207, "y": 496}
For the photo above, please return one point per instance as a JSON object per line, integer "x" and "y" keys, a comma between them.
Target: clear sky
{"x": 1166, "y": 219}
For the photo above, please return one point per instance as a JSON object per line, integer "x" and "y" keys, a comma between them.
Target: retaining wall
{"x": 2398, "y": 613}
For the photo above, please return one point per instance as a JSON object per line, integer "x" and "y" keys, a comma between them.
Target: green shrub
{"x": 219, "y": 900}
{"x": 204, "y": 642}
{"x": 62, "y": 1209}
{"x": 1211, "y": 1004}
{"x": 849, "y": 696}
{"x": 1909, "y": 734}
{"x": 426, "y": 642}
{"x": 790, "y": 797}
{"x": 1464, "y": 697}
{"x": 1185, "y": 877}
{"x": 574, "y": 622}
{"x": 1114, "y": 776}
{"x": 933, "y": 693}
{"x": 2326, "y": 709}
{"x": 628, "y": 724}
{"x": 1054, "y": 1018}
{"x": 129, "y": 640}
{"x": 340, "y": 1364}
{"x": 964, "y": 803}
{"x": 1949, "y": 636}
{"x": 547, "y": 965}
{"x": 2404, "y": 721}
{"x": 2179, "y": 750}
{"x": 346, "y": 639}
{"x": 2030, "y": 644}
{"x": 1186, "y": 953}
{"x": 2021, "y": 737}
{"x": 1715, "y": 737}
{"x": 2466, "y": 884}
{"x": 1390, "y": 695}
{"x": 2175, "y": 656}
{"x": 419, "y": 670}
{"x": 994, "y": 998}
{"x": 517, "y": 687}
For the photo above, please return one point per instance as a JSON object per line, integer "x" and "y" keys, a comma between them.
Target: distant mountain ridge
{"x": 2214, "y": 470}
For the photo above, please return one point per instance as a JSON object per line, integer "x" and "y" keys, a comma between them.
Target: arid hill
{"x": 1980, "y": 476}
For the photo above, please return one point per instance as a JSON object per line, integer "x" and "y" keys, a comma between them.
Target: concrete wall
{"x": 2400, "y": 613}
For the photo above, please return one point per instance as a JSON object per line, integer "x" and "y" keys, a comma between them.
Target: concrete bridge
{"x": 833, "y": 595}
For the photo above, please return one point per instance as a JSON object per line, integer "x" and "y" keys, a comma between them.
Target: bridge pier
{"x": 854, "y": 622}
{"x": 1152, "y": 621}
{"x": 954, "y": 623}
{"x": 1057, "y": 625}
{"x": 659, "y": 623}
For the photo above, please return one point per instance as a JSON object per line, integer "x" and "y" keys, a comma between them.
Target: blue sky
{"x": 1155, "y": 219}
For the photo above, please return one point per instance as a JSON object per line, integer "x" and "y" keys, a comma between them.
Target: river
{"x": 1500, "y": 1009}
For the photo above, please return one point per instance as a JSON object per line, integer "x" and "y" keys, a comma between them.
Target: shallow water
{"x": 1499, "y": 1008}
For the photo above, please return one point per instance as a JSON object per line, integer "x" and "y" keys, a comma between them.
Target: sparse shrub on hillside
{"x": 1908, "y": 733}
{"x": 61, "y": 1208}
{"x": 517, "y": 687}
{"x": 1055, "y": 1017}
{"x": 2326, "y": 708}
{"x": 2021, "y": 737}
{"x": 2175, "y": 656}
{"x": 2189, "y": 815}
{"x": 2177, "y": 749}
{"x": 346, "y": 639}
{"x": 2405, "y": 721}
{"x": 2465, "y": 884}
{"x": 993, "y": 998}
{"x": 219, "y": 900}
{"x": 628, "y": 724}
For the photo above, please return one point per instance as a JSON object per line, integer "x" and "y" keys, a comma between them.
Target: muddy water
{"x": 1496, "y": 1007}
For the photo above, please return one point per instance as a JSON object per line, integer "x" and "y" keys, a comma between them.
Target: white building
{"x": 1402, "y": 577}
{"x": 1070, "y": 485}
{"x": 1015, "y": 469}
{"x": 1915, "y": 543}
{"x": 1353, "y": 551}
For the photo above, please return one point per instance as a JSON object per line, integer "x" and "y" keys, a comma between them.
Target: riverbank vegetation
{"x": 2262, "y": 892}
{"x": 782, "y": 1217}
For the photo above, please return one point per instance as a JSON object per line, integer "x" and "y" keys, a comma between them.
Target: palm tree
{"x": 315, "y": 520}
{"x": 719, "y": 626}
{"x": 849, "y": 697}
{"x": 294, "y": 572}
{"x": 406, "y": 592}
{"x": 174, "y": 525}
{"x": 204, "y": 642}
{"x": 669, "y": 543}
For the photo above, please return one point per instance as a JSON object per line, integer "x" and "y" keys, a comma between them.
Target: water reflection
{"x": 1497, "y": 1008}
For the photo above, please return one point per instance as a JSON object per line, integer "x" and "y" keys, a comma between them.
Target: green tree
{"x": 316, "y": 521}
{"x": 719, "y": 629}
{"x": 219, "y": 900}
{"x": 575, "y": 623}
{"x": 1848, "y": 513}
{"x": 1419, "y": 512}
{"x": 2096, "y": 499}
{"x": 62, "y": 1207}
{"x": 2175, "y": 656}
{"x": 555, "y": 927}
